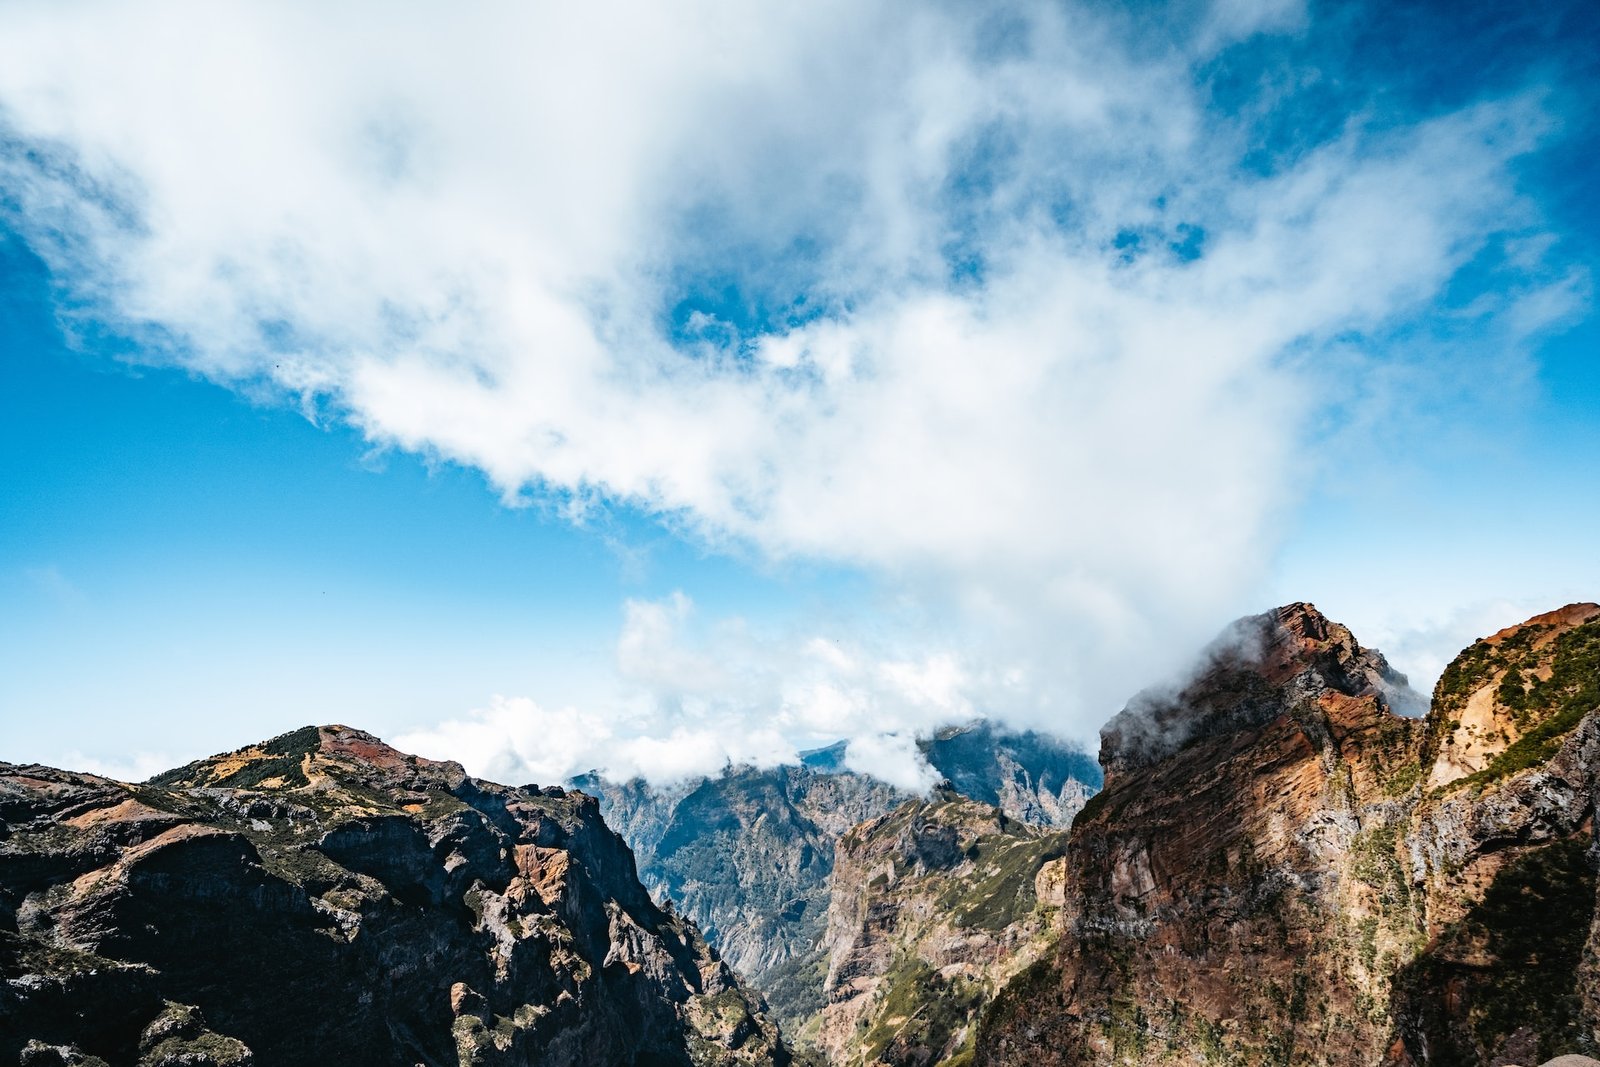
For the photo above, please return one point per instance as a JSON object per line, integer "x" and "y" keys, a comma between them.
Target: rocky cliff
{"x": 934, "y": 906}
{"x": 323, "y": 898}
{"x": 748, "y": 854}
{"x": 1282, "y": 870}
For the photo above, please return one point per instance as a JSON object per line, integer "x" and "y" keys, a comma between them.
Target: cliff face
{"x": 748, "y": 854}
{"x": 933, "y": 908}
{"x": 322, "y": 898}
{"x": 1282, "y": 870}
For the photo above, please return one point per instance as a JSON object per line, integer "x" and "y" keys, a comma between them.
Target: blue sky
{"x": 558, "y": 389}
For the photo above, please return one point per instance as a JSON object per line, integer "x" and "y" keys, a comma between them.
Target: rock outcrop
{"x": 934, "y": 906}
{"x": 1281, "y": 869}
{"x": 323, "y": 898}
{"x": 748, "y": 854}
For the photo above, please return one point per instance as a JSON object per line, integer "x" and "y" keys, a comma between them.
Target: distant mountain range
{"x": 747, "y": 854}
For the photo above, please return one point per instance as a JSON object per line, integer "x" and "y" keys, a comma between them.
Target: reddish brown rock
{"x": 1267, "y": 877}
{"x": 324, "y": 898}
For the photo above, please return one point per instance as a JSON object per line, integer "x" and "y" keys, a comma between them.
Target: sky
{"x": 649, "y": 387}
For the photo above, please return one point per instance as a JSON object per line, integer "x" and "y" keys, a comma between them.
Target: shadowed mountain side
{"x": 323, "y": 898}
{"x": 1278, "y": 871}
{"x": 748, "y": 854}
{"x": 934, "y": 906}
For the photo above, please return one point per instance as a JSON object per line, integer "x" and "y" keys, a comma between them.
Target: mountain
{"x": 933, "y": 907}
{"x": 748, "y": 854}
{"x": 1282, "y": 870}
{"x": 323, "y": 898}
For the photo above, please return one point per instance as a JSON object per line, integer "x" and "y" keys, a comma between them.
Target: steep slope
{"x": 934, "y": 907}
{"x": 323, "y": 898}
{"x": 1027, "y": 775}
{"x": 747, "y": 855}
{"x": 1281, "y": 870}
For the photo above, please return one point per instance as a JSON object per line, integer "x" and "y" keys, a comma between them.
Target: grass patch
{"x": 917, "y": 1009}
{"x": 1556, "y": 705}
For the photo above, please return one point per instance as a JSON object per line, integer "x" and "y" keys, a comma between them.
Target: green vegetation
{"x": 441, "y": 804}
{"x": 917, "y": 1008}
{"x": 1001, "y": 889}
{"x": 794, "y": 989}
{"x": 1027, "y": 989}
{"x": 1513, "y": 958}
{"x": 1555, "y": 705}
{"x": 1468, "y": 672}
{"x": 284, "y": 755}
{"x": 1401, "y": 780}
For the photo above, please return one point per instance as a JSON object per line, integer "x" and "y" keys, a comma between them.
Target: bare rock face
{"x": 934, "y": 907}
{"x": 1282, "y": 869}
{"x": 1258, "y": 670}
{"x": 323, "y": 898}
{"x": 748, "y": 854}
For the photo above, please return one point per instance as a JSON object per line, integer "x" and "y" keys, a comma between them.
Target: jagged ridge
{"x": 321, "y": 897}
{"x": 748, "y": 854}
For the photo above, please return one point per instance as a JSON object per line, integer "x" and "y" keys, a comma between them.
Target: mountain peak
{"x": 314, "y": 757}
{"x": 1505, "y": 699}
{"x": 511, "y": 919}
{"x": 1258, "y": 668}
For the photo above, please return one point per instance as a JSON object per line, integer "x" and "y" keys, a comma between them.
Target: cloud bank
{"x": 699, "y": 695}
{"x": 1000, "y": 303}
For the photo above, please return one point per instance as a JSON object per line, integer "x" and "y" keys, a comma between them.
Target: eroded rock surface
{"x": 748, "y": 854}
{"x": 934, "y": 906}
{"x": 1281, "y": 869}
{"x": 323, "y": 898}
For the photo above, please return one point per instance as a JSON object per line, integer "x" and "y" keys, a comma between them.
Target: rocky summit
{"x": 323, "y": 898}
{"x": 1283, "y": 870}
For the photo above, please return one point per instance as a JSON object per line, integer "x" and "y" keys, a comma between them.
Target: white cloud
{"x": 894, "y": 758}
{"x": 516, "y": 740}
{"x": 461, "y": 229}
{"x": 771, "y": 695}
{"x": 131, "y": 767}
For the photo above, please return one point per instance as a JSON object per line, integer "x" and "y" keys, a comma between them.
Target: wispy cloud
{"x": 997, "y": 303}
{"x": 132, "y": 767}
{"x": 696, "y": 695}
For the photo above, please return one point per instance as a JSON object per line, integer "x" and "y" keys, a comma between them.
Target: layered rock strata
{"x": 1282, "y": 870}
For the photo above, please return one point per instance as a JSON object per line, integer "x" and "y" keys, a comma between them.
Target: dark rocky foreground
{"x": 323, "y": 898}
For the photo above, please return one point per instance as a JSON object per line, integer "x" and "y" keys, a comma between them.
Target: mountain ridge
{"x": 748, "y": 853}
{"x": 374, "y": 907}
{"x": 1279, "y": 882}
